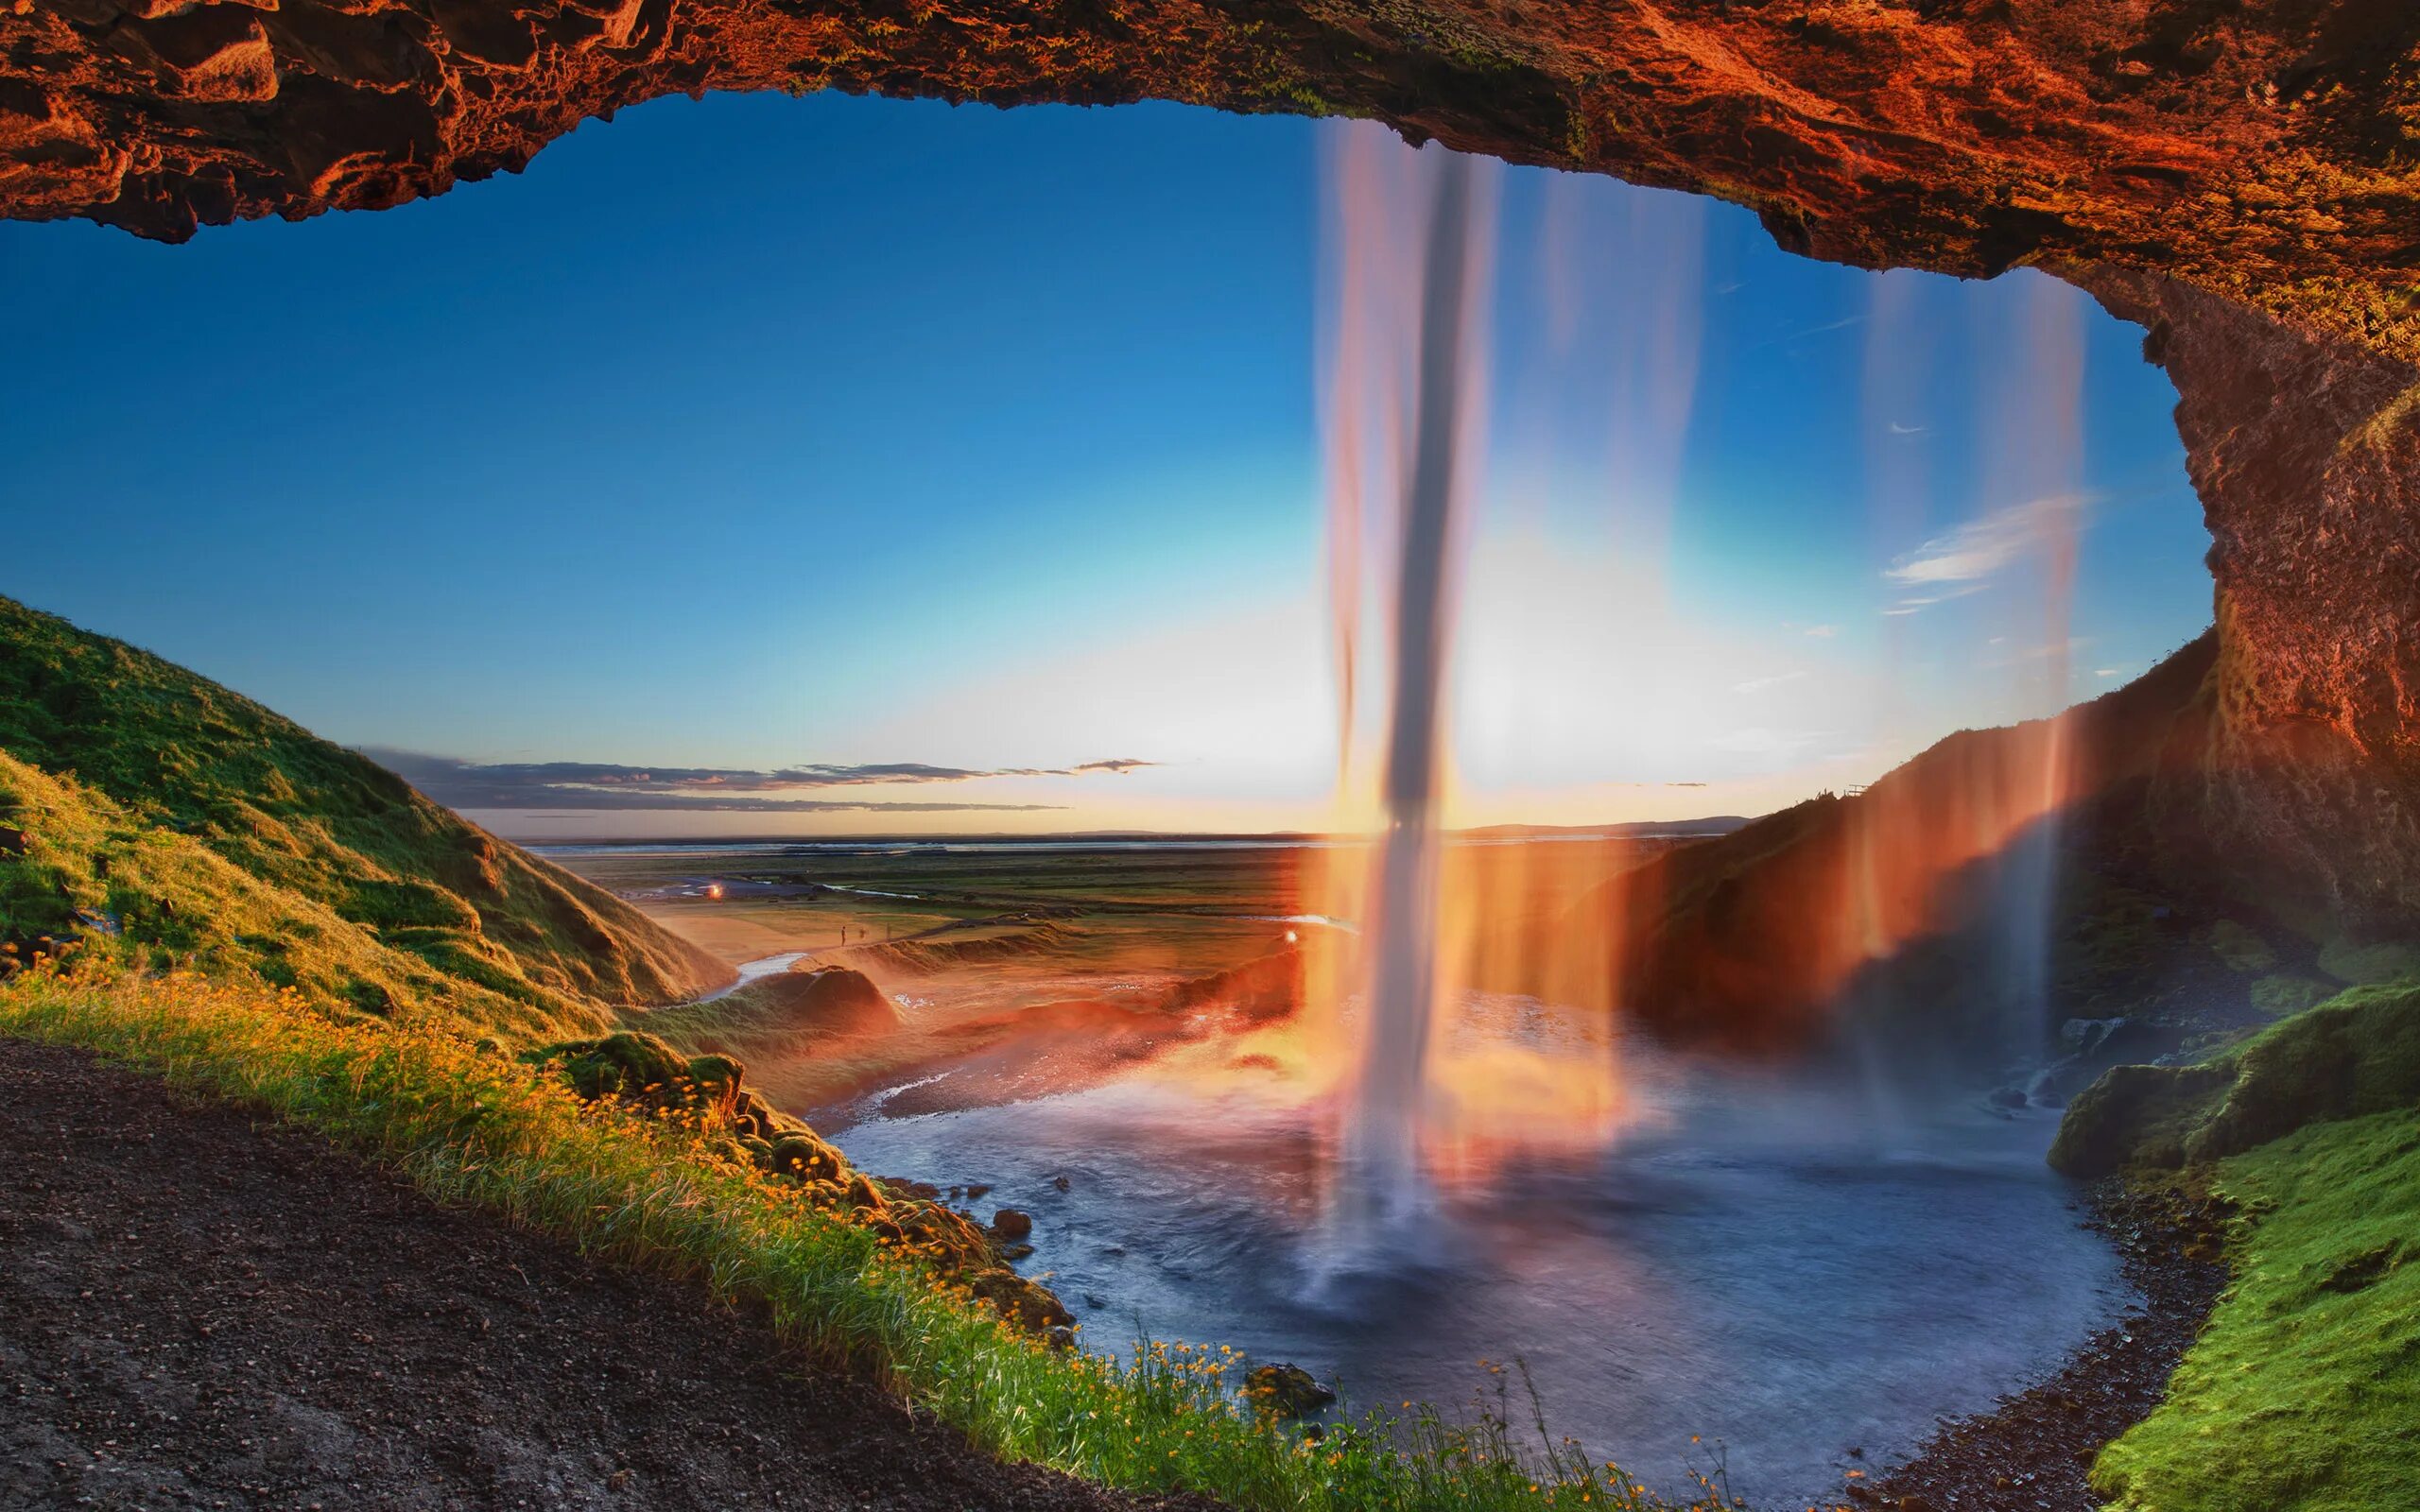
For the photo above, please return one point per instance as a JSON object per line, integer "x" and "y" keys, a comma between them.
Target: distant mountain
{"x": 1749, "y": 938}
{"x": 157, "y": 801}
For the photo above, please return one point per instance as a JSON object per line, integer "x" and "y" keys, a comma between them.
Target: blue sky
{"x": 754, "y": 432}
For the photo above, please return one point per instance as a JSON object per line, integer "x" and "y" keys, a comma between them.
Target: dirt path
{"x": 196, "y": 1311}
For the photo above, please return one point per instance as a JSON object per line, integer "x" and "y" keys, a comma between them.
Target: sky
{"x": 759, "y": 465}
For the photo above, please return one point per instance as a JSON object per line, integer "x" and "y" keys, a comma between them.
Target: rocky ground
{"x": 199, "y": 1312}
{"x": 2032, "y": 1453}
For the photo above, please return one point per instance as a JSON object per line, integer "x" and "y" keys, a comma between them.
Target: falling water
{"x": 1416, "y": 492}
{"x": 2039, "y": 458}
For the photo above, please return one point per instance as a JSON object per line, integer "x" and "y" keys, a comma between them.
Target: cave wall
{"x": 2305, "y": 449}
{"x": 2240, "y": 175}
{"x": 2263, "y": 149}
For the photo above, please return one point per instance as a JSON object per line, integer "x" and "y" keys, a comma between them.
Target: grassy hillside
{"x": 2302, "y": 1392}
{"x": 1748, "y": 939}
{"x": 77, "y": 867}
{"x": 141, "y": 744}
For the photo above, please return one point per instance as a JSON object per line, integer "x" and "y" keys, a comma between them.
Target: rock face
{"x": 2305, "y": 451}
{"x": 2258, "y": 147}
{"x": 2237, "y": 175}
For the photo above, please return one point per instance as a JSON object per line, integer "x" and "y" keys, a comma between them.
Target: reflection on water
{"x": 1762, "y": 1263}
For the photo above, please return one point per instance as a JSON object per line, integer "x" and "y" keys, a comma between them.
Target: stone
{"x": 1286, "y": 1390}
{"x": 1009, "y": 1224}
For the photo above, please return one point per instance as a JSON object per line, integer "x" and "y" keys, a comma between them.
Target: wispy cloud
{"x": 1918, "y": 601}
{"x": 1760, "y": 684}
{"x": 1981, "y": 549}
{"x": 1897, "y": 429}
{"x": 2108, "y": 672}
{"x": 1820, "y": 632}
{"x": 464, "y": 784}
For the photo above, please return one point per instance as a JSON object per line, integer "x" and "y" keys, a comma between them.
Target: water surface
{"x": 1775, "y": 1267}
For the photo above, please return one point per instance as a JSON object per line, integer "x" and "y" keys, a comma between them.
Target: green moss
{"x": 2239, "y": 950}
{"x": 2355, "y": 1055}
{"x": 2302, "y": 1393}
{"x": 2362, "y": 965}
{"x": 2284, "y": 993}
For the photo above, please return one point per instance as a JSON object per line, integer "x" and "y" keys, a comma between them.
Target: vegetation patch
{"x": 88, "y": 877}
{"x": 326, "y": 826}
{"x": 2355, "y": 1055}
{"x": 2302, "y": 1393}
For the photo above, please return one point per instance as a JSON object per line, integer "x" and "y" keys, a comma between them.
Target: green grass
{"x": 173, "y": 900}
{"x": 472, "y": 1126}
{"x": 311, "y": 820}
{"x": 2303, "y": 1395}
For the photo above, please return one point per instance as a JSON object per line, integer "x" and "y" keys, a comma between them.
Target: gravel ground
{"x": 2033, "y": 1451}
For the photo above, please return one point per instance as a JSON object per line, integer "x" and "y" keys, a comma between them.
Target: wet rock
{"x": 1059, "y": 1183}
{"x": 2080, "y": 1036}
{"x": 2008, "y": 1097}
{"x": 1286, "y": 1390}
{"x": 1009, "y": 1223}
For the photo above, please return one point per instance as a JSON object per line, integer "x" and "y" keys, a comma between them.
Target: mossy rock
{"x": 1285, "y": 1391}
{"x": 2135, "y": 1116}
{"x": 2355, "y": 1054}
{"x": 619, "y": 1065}
{"x": 2368, "y": 965}
{"x": 2284, "y": 993}
{"x": 642, "y": 1070}
{"x": 2240, "y": 949}
{"x": 805, "y": 1158}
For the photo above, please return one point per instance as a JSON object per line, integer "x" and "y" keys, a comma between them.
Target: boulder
{"x": 1285, "y": 1391}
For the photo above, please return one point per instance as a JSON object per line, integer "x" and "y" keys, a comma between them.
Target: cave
{"x": 2236, "y": 179}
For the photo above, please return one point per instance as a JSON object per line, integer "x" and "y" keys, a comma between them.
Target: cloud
{"x": 1760, "y": 684}
{"x": 1915, "y": 602}
{"x": 2108, "y": 672}
{"x": 1820, "y": 632}
{"x": 604, "y": 786}
{"x": 1897, "y": 429}
{"x": 1981, "y": 549}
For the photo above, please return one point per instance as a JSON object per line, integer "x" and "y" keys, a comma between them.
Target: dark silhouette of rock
{"x": 1286, "y": 1390}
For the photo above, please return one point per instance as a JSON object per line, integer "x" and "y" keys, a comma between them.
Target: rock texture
{"x": 2305, "y": 449}
{"x": 2260, "y": 148}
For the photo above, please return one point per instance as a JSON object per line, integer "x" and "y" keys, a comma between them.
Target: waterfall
{"x": 1409, "y": 382}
